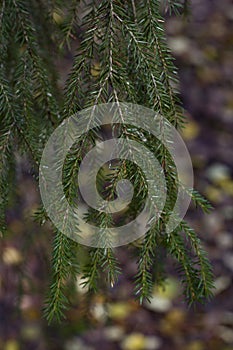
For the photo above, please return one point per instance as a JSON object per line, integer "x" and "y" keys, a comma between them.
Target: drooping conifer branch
{"x": 121, "y": 56}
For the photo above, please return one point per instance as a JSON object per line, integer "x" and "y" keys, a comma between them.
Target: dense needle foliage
{"x": 121, "y": 55}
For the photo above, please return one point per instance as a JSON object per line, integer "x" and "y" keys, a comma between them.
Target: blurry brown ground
{"x": 202, "y": 46}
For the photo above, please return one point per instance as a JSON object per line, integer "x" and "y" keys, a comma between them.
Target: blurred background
{"x": 202, "y": 46}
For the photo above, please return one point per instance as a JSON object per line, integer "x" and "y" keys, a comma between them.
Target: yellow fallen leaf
{"x": 11, "y": 256}
{"x": 170, "y": 290}
{"x": 119, "y": 311}
{"x": 179, "y": 45}
{"x": 218, "y": 172}
{"x": 214, "y": 194}
{"x": 114, "y": 333}
{"x": 176, "y": 317}
{"x": 173, "y": 322}
{"x": 158, "y": 304}
{"x": 135, "y": 341}
{"x": 11, "y": 345}
{"x": 162, "y": 296}
{"x": 58, "y": 17}
{"x": 30, "y": 332}
{"x": 190, "y": 131}
{"x": 221, "y": 284}
{"x": 226, "y": 334}
{"x": 227, "y": 186}
{"x": 98, "y": 311}
{"x": 95, "y": 69}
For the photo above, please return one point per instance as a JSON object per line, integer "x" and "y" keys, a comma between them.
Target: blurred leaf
{"x": 179, "y": 45}
{"x": 214, "y": 194}
{"x": 11, "y": 345}
{"x": 11, "y": 256}
{"x": 158, "y": 304}
{"x": 30, "y": 332}
{"x": 172, "y": 322}
{"x": 98, "y": 311}
{"x": 218, "y": 172}
{"x": 119, "y": 311}
{"x": 226, "y": 334}
{"x": 58, "y": 17}
{"x": 221, "y": 284}
{"x": 95, "y": 69}
{"x": 227, "y": 186}
{"x": 176, "y": 317}
{"x": 138, "y": 341}
{"x": 170, "y": 290}
{"x": 114, "y": 333}
{"x": 135, "y": 341}
{"x": 191, "y": 130}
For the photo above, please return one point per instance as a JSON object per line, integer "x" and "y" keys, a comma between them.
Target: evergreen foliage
{"x": 122, "y": 56}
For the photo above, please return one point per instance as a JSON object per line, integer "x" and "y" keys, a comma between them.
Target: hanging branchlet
{"x": 121, "y": 56}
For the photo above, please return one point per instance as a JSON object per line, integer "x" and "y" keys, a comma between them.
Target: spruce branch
{"x": 68, "y": 28}
{"x": 205, "y": 286}
{"x": 144, "y": 278}
{"x": 64, "y": 266}
{"x": 122, "y": 56}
